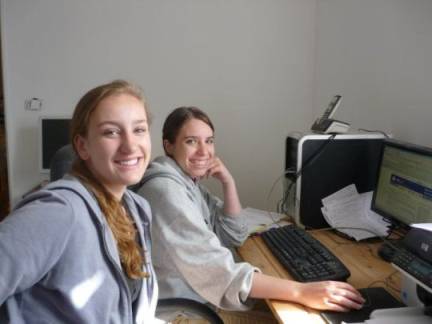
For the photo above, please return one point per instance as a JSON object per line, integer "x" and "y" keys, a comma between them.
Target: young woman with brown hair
{"x": 78, "y": 251}
{"x": 193, "y": 229}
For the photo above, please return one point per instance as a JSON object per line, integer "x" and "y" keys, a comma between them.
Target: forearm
{"x": 332, "y": 295}
{"x": 232, "y": 205}
{"x": 267, "y": 287}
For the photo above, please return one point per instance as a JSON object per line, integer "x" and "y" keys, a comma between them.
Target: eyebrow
{"x": 112, "y": 122}
{"x": 195, "y": 137}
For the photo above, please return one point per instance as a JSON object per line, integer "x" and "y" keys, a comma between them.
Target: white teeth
{"x": 129, "y": 162}
{"x": 199, "y": 163}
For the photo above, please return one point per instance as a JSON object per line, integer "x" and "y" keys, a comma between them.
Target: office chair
{"x": 61, "y": 163}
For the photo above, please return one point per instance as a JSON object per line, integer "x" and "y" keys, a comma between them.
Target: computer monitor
{"x": 403, "y": 192}
{"x": 54, "y": 133}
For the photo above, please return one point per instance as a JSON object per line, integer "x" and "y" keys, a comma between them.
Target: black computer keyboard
{"x": 303, "y": 256}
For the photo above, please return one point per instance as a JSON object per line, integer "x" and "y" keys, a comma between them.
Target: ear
{"x": 168, "y": 147}
{"x": 80, "y": 144}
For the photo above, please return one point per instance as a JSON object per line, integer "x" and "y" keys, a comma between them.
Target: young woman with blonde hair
{"x": 78, "y": 250}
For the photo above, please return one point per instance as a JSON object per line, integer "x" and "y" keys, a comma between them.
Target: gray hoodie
{"x": 191, "y": 236}
{"x": 59, "y": 261}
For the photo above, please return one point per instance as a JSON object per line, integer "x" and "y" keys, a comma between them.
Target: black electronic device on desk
{"x": 303, "y": 256}
{"x": 388, "y": 250}
{"x": 54, "y": 134}
{"x": 403, "y": 191}
{"x": 320, "y": 165}
{"x": 414, "y": 259}
{"x": 403, "y": 195}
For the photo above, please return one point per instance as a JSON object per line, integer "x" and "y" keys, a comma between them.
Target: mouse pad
{"x": 376, "y": 298}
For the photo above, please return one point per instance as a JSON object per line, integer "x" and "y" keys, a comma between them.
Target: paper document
{"x": 260, "y": 220}
{"x": 425, "y": 226}
{"x": 349, "y": 212}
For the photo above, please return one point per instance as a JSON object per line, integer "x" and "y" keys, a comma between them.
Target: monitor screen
{"x": 54, "y": 135}
{"x": 404, "y": 185}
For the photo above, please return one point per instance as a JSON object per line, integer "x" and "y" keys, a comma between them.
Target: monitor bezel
{"x": 406, "y": 146}
{"x": 41, "y": 119}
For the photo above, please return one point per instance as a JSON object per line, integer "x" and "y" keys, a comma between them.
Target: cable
{"x": 279, "y": 206}
{"x": 271, "y": 191}
{"x": 305, "y": 165}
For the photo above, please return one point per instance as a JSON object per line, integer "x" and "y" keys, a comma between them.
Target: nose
{"x": 202, "y": 148}
{"x": 128, "y": 143}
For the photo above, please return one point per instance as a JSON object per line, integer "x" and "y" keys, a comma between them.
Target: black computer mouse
{"x": 375, "y": 298}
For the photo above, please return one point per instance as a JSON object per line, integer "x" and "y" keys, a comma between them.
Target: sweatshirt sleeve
{"x": 231, "y": 229}
{"x": 193, "y": 250}
{"x": 31, "y": 240}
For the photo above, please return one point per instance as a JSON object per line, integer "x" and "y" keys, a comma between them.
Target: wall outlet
{"x": 33, "y": 104}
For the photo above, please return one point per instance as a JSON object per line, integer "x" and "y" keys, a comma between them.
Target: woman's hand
{"x": 218, "y": 170}
{"x": 329, "y": 295}
{"x": 323, "y": 295}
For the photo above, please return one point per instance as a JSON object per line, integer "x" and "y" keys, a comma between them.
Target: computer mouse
{"x": 375, "y": 298}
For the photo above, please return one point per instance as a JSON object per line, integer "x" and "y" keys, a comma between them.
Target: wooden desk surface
{"x": 366, "y": 267}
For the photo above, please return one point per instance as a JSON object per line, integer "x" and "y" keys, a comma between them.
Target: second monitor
{"x": 404, "y": 188}
{"x": 54, "y": 133}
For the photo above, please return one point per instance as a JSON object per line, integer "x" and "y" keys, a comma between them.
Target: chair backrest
{"x": 169, "y": 309}
{"x": 61, "y": 162}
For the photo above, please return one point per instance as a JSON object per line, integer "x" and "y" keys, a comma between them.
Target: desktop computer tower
{"x": 318, "y": 165}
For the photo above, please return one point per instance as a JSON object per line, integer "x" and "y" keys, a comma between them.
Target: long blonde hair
{"x": 124, "y": 232}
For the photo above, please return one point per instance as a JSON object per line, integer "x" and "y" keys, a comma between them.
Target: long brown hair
{"x": 124, "y": 232}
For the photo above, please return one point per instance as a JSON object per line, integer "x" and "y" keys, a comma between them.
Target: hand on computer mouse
{"x": 330, "y": 295}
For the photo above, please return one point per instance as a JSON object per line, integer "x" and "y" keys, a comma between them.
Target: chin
{"x": 131, "y": 183}
{"x": 132, "y": 180}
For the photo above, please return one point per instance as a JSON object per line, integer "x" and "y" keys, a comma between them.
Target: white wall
{"x": 260, "y": 69}
{"x": 378, "y": 55}
{"x": 248, "y": 63}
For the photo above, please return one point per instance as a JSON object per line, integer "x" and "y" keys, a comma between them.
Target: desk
{"x": 366, "y": 268}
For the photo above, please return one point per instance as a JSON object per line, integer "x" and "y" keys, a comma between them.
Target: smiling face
{"x": 117, "y": 147}
{"x": 193, "y": 149}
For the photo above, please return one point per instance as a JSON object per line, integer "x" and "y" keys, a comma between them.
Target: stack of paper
{"x": 349, "y": 212}
{"x": 260, "y": 220}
